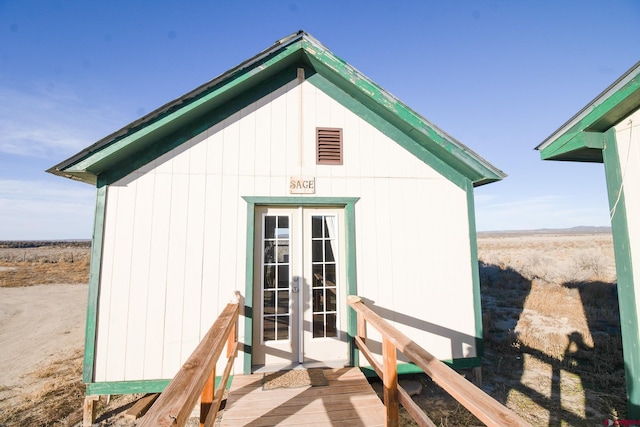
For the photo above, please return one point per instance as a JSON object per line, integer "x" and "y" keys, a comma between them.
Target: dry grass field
{"x": 553, "y": 348}
{"x": 552, "y": 345}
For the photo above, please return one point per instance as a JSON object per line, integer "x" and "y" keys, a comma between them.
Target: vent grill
{"x": 329, "y": 146}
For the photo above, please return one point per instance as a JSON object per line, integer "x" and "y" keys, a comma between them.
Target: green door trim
{"x": 348, "y": 203}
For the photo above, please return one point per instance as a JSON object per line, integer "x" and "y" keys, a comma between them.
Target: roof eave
{"x": 91, "y": 162}
{"x": 83, "y": 165}
{"x": 461, "y": 157}
{"x": 574, "y": 141}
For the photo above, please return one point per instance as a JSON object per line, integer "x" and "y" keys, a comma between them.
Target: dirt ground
{"x": 552, "y": 346}
{"x": 39, "y": 324}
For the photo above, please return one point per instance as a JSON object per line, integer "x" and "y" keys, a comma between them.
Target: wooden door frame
{"x": 348, "y": 204}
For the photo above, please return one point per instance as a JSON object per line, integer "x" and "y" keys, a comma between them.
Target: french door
{"x": 299, "y": 288}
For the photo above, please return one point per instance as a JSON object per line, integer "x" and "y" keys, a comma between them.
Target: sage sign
{"x": 302, "y": 185}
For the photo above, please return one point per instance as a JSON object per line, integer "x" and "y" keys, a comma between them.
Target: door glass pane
{"x": 269, "y": 227}
{"x": 331, "y": 299}
{"x": 276, "y": 273}
{"x": 269, "y": 276}
{"x": 330, "y": 274}
{"x": 318, "y": 300}
{"x": 283, "y": 224}
{"x": 318, "y": 326}
{"x": 269, "y": 329}
{"x": 318, "y": 275}
{"x": 283, "y": 328}
{"x": 316, "y": 251}
{"x": 283, "y": 302}
{"x": 269, "y": 302}
{"x": 331, "y": 330}
{"x": 283, "y": 276}
{"x": 328, "y": 251}
{"x": 316, "y": 226}
{"x": 269, "y": 251}
{"x": 283, "y": 251}
{"x": 324, "y": 293}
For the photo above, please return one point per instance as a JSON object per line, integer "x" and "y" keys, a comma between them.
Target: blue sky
{"x": 499, "y": 76}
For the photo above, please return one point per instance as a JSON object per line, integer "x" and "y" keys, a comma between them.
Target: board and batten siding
{"x": 628, "y": 142}
{"x": 175, "y": 232}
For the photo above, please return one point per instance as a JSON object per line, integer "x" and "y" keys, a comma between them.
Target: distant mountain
{"x": 581, "y": 229}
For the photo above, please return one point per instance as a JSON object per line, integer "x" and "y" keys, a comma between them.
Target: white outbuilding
{"x": 607, "y": 131}
{"x": 294, "y": 180}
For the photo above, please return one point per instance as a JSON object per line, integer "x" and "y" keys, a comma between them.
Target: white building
{"x": 296, "y": 181}
{"x": 607, "y": 131}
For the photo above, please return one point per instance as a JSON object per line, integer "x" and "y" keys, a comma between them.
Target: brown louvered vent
{"x": 329, "y": 146}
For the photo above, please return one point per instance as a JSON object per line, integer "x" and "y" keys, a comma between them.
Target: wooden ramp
{"x": 348, "y": 400}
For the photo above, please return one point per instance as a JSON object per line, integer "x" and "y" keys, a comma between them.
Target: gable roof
{"x": 581, "y": 138}
{"x": 182, "y": 118}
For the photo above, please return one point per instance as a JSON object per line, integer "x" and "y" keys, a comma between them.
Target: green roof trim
{"x": 452, "y": 152}
{"x": 389, "y": 130}
{"x": 582, "y": 146}
{"x": 166, "y": 125}
{"x": 582, "y": 137}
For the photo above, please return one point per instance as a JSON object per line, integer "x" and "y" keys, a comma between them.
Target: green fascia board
{"x": 163, "y": 144}
{"x": 411, "y": 368}
{"x": 299, "y": 49}
{"x": 100, "y": 160}
{"x": 387, "y": 128}
{"x": 461, "y": 158}
{"x": 614, "y": 104}
{"x": 580, "y": 146}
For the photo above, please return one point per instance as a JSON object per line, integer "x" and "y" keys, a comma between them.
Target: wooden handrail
{"x": 197, "y": 377}
{"x": 480, "y": 404}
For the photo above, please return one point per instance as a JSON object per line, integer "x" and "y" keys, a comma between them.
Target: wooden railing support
{"x": 390, "y": 382}
{"x": 206, "y": 398}
{"x": 197, "y": 376}
{"x": 480, "y": 404}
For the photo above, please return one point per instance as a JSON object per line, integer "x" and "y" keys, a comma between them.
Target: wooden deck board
{"x": 348, "y": 400}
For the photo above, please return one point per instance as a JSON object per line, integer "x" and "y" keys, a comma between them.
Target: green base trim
{"x": 464, "y": 363}
{"x": 127, "y": 387}
{"x": 134, "y": 387}
{"x": 410, "y": 368}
